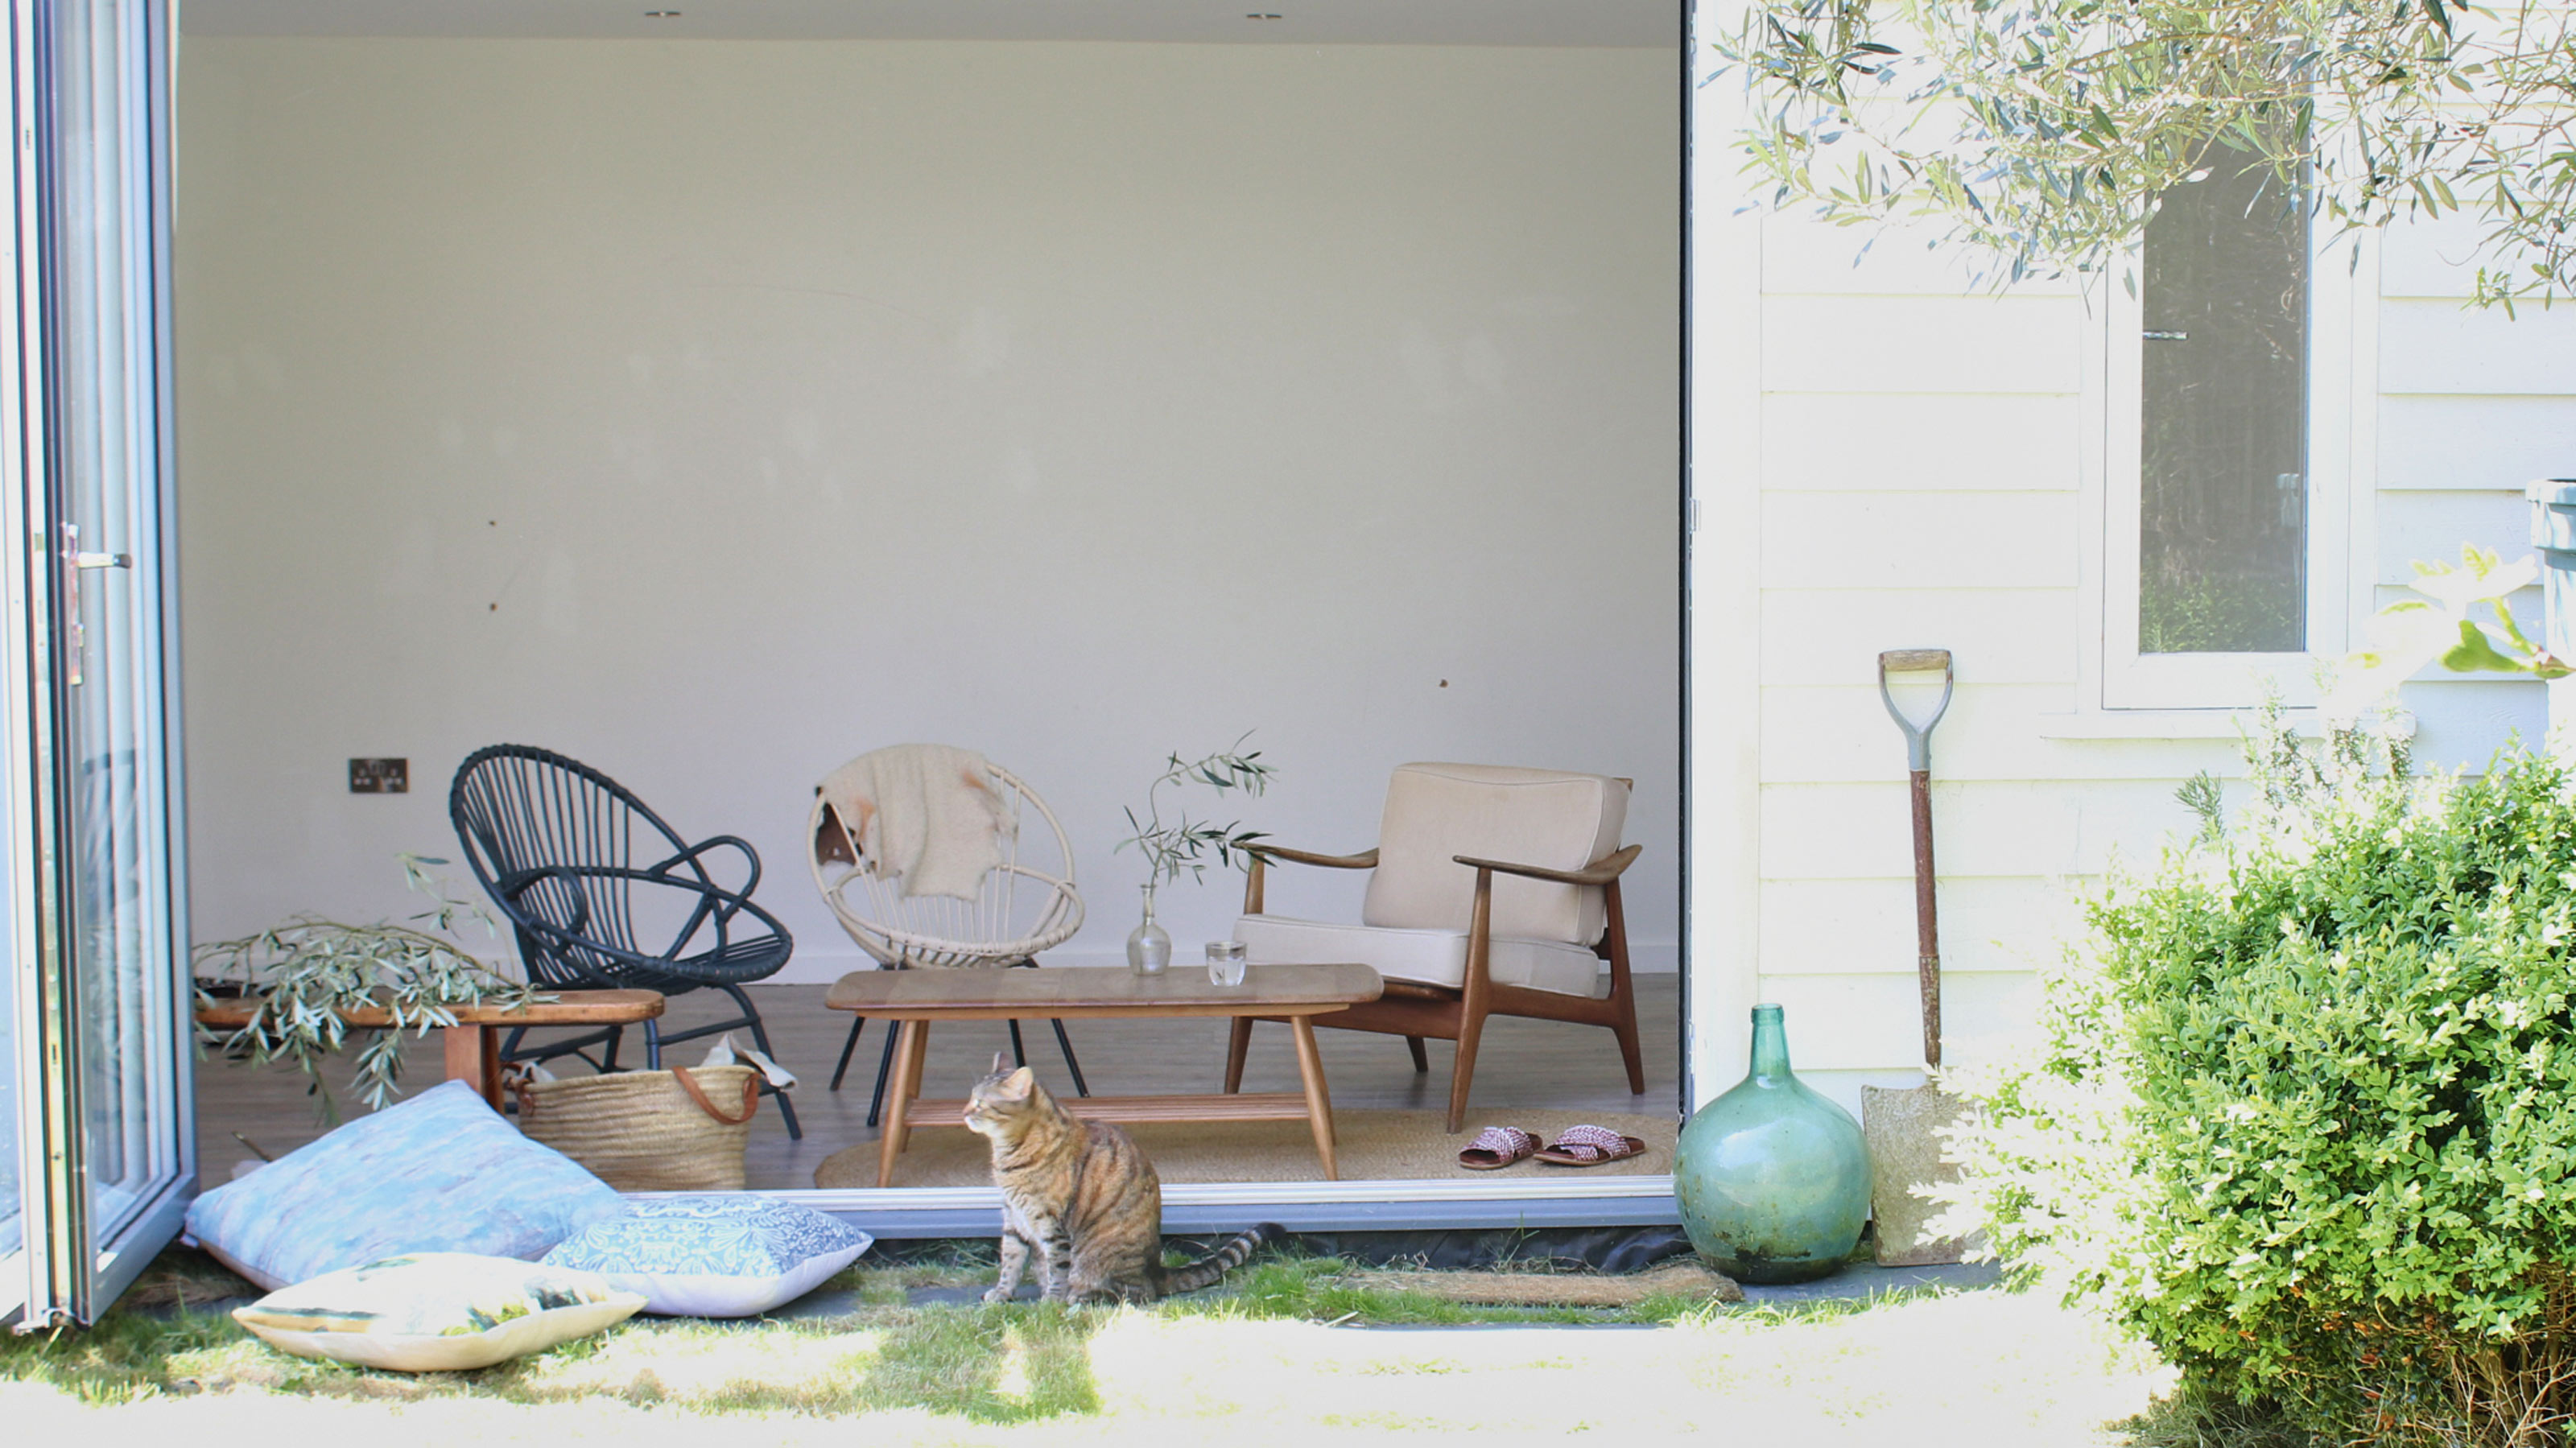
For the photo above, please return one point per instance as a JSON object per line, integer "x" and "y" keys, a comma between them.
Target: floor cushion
{"x": 714, "y": 1256}
{"x": 436, "y": 1312}
{"x": 441, "y": 1172}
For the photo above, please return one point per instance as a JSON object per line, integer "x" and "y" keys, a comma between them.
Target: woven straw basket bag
{"x": 680, "y": 1130}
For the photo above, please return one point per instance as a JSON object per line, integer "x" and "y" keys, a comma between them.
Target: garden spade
{"x": 1904, "y": 1127}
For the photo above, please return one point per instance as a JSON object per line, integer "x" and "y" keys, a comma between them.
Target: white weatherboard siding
{"x": 1921, "y": 487}
{"x": 2474, "y": 405}
{"x": 715, "y": 411}
{"x": 1910, "y": 453}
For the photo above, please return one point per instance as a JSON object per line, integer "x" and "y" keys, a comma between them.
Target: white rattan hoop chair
{"x": 1027, "y": 904}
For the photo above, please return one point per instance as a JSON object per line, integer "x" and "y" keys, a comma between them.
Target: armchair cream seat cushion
{"x": 1431, "y": 957}
{"x": 1414, "y": 921}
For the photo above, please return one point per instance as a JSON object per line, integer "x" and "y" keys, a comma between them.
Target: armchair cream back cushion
{"x": 1543, "y": 817}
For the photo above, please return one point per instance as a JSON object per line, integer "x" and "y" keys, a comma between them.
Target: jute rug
{"x": 1375, "y": 1146}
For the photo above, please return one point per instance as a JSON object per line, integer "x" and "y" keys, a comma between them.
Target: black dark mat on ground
{"x": 1602, "y": 1249}
{"x": 1867, "y": 1279}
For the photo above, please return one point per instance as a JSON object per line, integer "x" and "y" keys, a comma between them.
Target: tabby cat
{"x": 1083, "y": 1197}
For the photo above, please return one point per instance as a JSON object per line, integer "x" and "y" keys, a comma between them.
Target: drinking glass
{"x": 1225, "y": 962}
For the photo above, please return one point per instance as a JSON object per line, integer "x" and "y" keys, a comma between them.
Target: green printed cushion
{"x": 441, "y": 1172}
{"x": 436, "y": 1312}
{"x": 714, "y": 1256}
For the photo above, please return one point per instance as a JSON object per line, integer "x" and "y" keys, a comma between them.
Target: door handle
{"x": 80, "y": 560}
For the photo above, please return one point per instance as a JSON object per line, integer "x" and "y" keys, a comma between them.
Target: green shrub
{"x": 2305, "y": 1111}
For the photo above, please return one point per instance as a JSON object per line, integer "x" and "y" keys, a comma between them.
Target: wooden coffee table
{"x": 915, "y": 998}
{"x": 473, "y": 1044}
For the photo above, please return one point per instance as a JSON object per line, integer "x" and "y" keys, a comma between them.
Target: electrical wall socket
{"x": 379, "y": 776}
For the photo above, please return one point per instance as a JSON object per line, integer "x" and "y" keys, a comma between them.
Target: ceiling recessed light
{"x": 1257, "y": 15}
{"x": 661, "y": 14}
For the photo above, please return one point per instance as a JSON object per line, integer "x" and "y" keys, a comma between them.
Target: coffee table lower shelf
{"x": 912, "y": 999}
{"x": 1314, "y": 1106}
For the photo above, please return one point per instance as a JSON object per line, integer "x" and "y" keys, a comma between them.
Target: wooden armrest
{"x": 1600, "y": 872}
{"x": 1261, "y": 854}
{"x": 1364, "y": 860}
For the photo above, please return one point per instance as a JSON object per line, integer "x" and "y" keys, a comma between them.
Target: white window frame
{"x": 2343, "y": 294}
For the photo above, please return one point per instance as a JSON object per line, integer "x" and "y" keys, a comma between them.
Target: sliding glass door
{"x": 98, "y": 957}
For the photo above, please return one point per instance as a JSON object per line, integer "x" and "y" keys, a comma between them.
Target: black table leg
{"x": 1070, "y": 1064}
{"x": 857, "y": 1024}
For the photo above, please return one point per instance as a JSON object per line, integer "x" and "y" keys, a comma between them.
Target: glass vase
{"x": 1772, "y": 1178}
{"x": 1149, "y": 946}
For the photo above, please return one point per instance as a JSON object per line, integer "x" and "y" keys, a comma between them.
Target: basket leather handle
{"x": 522, "y": 1085}
{"x": 750, "y": 1096}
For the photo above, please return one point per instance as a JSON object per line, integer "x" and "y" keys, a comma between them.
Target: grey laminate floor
{"x": 1522, "y": 1063}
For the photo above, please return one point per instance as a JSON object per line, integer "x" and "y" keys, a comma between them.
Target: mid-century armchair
{"x": 1495, "y": 891}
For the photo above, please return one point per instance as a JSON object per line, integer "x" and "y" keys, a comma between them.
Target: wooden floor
{"x": 1522, "y": 1063}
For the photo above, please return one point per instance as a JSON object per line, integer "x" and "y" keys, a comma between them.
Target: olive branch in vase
{"x": 1191, "y": 845}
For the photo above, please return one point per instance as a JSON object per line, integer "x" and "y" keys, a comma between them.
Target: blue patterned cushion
{"x": 441, "y": 1172}
{"x": 714, "y": 1256}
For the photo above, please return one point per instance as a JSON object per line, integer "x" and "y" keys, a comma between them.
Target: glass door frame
{"x": 74, "y": 1265}
{"x": 22, "y": 683}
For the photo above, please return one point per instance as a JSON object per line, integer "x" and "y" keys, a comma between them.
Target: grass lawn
{"x": 1305, "y": 1350}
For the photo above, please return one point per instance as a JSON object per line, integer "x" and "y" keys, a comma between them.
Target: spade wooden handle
{"x": 1927, "y": 927}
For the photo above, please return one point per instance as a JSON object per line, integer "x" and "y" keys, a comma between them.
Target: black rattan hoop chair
{"x": 568, "y": 855}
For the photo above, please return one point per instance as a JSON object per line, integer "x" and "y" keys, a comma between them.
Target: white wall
{"x": 1890, "y": 457}
{"x": 716, "y": 411}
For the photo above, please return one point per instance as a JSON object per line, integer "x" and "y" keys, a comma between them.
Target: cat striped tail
{"x": 1206, "y": 1271}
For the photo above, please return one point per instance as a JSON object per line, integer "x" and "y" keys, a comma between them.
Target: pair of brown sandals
{"x": 1497, "y": 1147}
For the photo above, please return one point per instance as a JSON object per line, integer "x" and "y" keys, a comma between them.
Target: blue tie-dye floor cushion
{"x": 714, "y": 1256}
{"x": 442, "y": 1172}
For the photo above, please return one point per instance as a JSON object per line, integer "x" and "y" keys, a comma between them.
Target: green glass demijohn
{"x": 1773, "y": 1179}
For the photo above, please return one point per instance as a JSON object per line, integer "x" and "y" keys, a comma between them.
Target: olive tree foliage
{"x": 2440, "y": 626}
{"x": 2039, "y": 130}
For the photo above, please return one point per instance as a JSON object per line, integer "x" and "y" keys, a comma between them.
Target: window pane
{"x": 2222, "y": 552}
{"x": 104, "y": 445}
